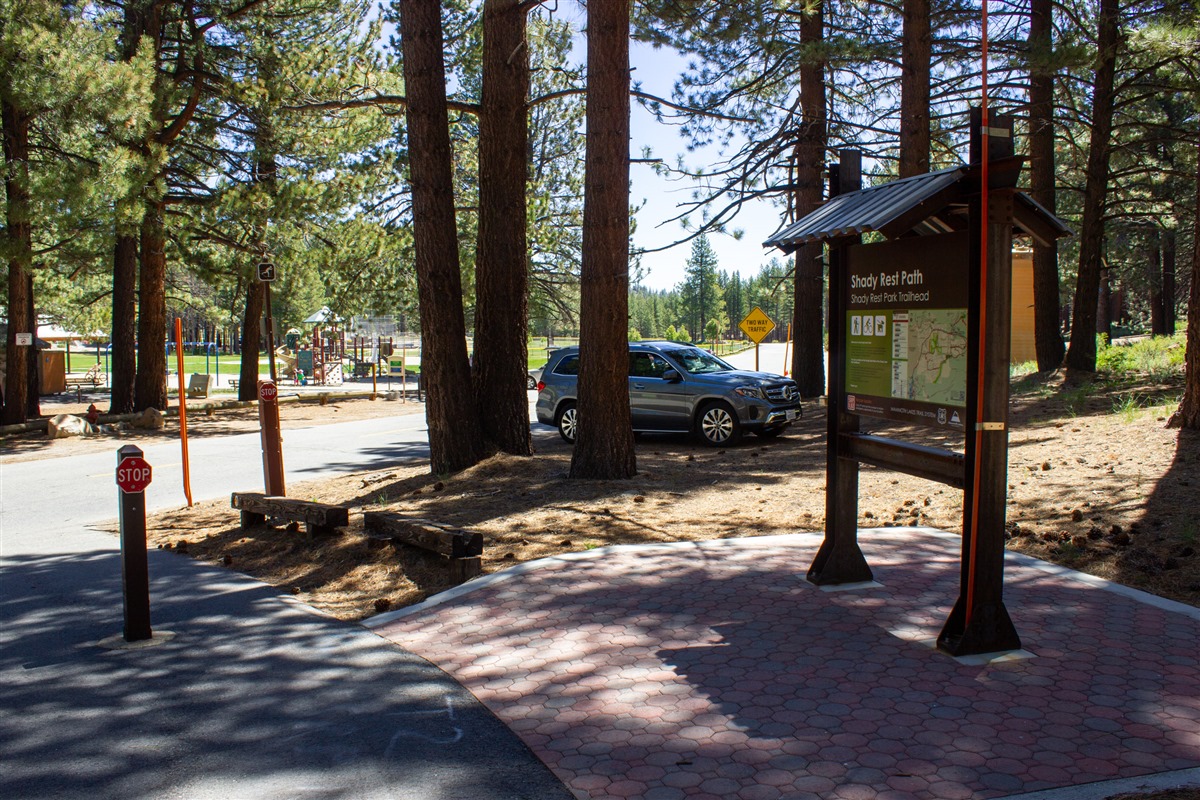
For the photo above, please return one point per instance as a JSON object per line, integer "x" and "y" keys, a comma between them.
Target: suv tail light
{"x": 541, "y": 385}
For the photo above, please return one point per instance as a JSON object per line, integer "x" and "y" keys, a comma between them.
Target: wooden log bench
{"x": 464, "y": 549}
{"x": 318, "y": 518}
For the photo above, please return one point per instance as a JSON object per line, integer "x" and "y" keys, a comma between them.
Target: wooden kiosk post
{"x": 979, "y": 622}
{"x": 840, "y": 560}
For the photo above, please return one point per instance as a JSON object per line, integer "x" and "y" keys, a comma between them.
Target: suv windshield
{"x": 698, "y": 362}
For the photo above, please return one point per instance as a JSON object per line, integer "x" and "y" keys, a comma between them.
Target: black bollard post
{"x": 133, "y": 476}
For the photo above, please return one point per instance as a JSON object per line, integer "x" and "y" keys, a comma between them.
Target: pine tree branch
{"x": 375, "y": 101}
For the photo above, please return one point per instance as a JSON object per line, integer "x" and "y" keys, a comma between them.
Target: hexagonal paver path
{"x": 714, "y": 670}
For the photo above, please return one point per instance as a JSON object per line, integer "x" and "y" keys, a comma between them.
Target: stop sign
{"x": 133, "y": 474}
{"x": 268, "y": 391}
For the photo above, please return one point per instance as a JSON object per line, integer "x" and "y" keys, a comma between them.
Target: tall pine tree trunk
{"x": 455, "y": 441}
{"x": 1081, "y": 354}
{"x": 501, "y": 261}
{"x": 248, "y": 373}
{"x": 1154, "y": 279}
{"x": 265, "y": 178}
{"x": 917, "y": 50}
{"x": 33, "y": 384}
{"x": 125, "y": 253}
{"x": 150, "y": 387}
{"x": 1168, "y": 281}
{"x": 604, "y": 442}
{"x": 124, "y": 324}
{"x": 150, "y": 383}
{"x": 808, "y": 355}
{"x": 1046, "y": 329}
{"x": 1188, "y": 413}
{"x": 19, "y": 243}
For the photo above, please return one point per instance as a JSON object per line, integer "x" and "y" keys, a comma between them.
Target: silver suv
{"x": 677, "y": 388}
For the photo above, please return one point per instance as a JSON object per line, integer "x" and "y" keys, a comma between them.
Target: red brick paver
{"x": 715, "y": 670}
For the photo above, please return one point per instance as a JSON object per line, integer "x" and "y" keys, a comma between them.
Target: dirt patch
{"x": 1096, "y": 483}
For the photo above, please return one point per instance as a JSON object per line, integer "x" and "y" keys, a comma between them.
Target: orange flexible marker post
{"x": 187, "y": 475}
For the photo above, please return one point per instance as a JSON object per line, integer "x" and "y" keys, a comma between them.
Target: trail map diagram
{"x": 929, "y": 352}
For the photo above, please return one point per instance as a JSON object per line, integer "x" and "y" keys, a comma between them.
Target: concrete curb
{"x": 1157, "y": 782}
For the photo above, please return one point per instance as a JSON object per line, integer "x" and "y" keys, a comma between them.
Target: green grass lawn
{"x": 230, "y": 365}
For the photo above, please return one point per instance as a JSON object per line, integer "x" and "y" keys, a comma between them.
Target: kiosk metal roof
{"x": 927, "y": 204}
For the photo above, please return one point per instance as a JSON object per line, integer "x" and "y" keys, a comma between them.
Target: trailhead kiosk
{"x": 919, "y": 326}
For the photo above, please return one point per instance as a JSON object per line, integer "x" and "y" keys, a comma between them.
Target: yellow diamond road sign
{"x": 757, "y": 325}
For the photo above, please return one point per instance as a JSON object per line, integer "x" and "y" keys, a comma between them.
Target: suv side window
{"x": 646, "y": 365}
{"x": 568, "y": 366}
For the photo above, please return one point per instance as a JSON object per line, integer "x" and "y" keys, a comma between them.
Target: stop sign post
{"x": 133, "y": 476}
{"x": 272, "y": 442}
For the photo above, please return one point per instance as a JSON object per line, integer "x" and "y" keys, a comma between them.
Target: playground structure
{"x": 323, "y": 357}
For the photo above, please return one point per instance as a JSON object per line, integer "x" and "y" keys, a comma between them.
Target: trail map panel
{"x": 906, "y": 330}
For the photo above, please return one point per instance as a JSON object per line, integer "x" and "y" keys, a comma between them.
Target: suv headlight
{"x": 751, "y": 391}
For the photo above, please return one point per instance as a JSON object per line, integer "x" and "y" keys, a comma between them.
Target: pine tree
{"x": 501, "y": 261}
{"x": 701, "y": 290}
{"x": 604, "y": 446}
{"x": 57, "y": 91}
{"x": 1048, "y": 340}
{"x": 454, "y": 434}
{"x": 1081, "y": 354}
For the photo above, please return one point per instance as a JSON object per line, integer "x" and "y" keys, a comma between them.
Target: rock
{"x": 151, "y": 419}
{"x": 66, "y": 425}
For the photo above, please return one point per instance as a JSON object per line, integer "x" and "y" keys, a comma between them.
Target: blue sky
{"x": 657, "y": 70}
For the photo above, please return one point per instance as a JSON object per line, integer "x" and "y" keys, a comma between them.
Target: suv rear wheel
{"x": 718, "y": 425}
{"x": 568, "y": 419}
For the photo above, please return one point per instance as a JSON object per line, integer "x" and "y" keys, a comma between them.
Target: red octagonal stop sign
{"x": 268, "y": 391}
{"x": 133, "y": 474}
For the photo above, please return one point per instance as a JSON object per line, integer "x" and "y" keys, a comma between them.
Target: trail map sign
{"x": 906, "y": 331}
{"x": 757, "y": 325}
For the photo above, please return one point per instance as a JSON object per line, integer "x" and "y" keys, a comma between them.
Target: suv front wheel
{"x": 568, "y": 419}
{"x": 718, "y": 425}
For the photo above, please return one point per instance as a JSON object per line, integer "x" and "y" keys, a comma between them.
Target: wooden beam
{"x": 932, "y": 463}
{"x": 422, "y": 533}
{"x": 321, "y": 515}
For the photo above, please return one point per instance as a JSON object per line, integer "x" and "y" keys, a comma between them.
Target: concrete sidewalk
{"x": 714, "y": 670}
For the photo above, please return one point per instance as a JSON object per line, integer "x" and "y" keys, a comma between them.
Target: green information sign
{"x": 906, "y": 332}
